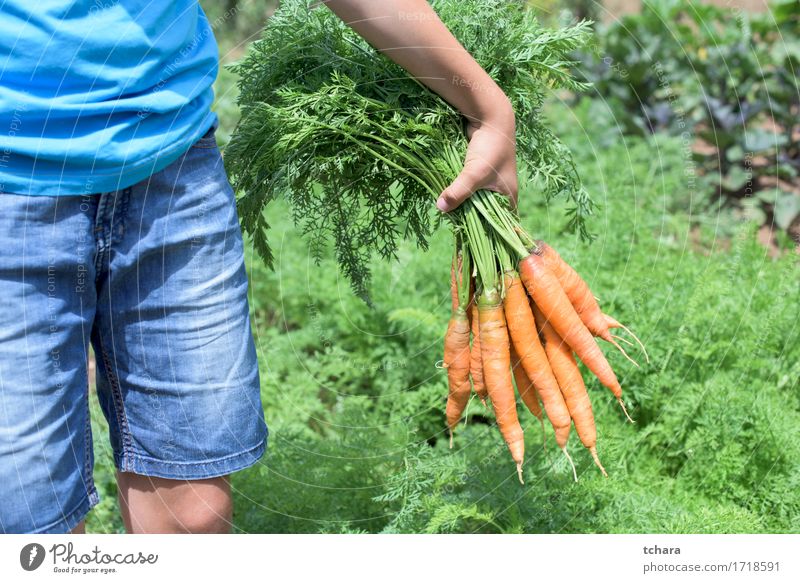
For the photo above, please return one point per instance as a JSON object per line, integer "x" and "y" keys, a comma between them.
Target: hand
{"x": 491, "y": 163}
{"x": 425, "y": 48}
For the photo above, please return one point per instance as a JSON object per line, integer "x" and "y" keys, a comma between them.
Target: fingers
{"x": 460, "y": 190}
{"x": 510, "y": 190}
{"x": 474, "y": 177}
{"x": 490, "y": 164}
{"x": 504, "y": 182}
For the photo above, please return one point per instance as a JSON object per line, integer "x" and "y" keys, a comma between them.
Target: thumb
{"x": 459, "y": 190}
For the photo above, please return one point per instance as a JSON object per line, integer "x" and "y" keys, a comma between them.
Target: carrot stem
{"x": 486, "y": 204}
{"x": 481, "y": 247}
{"x": 464, "y": 277}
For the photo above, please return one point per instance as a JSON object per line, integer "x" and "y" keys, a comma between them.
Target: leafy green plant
{"x": 780, "y": 34}
{"x": 355, "y": 414}
{"x": 715, "y": 445}
{"x": 361, "y": 150}
{"x": 623, "y": 65}
{"x": 724, "y": 79}
{"x": 236, "y": 22}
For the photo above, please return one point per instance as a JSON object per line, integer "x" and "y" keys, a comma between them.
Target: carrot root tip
{"x": 623, "y": 339}
{"x": 622, "y": 350}
{"x": 593, "y": 451}
{"x": 451, "y": 439}
{"x": 485, "y": 406}
{"x": 571, "y": 463}
{"x": 624, "y": 410}
{"x": 639, "y": 342}
{"x": 519, "y": 474}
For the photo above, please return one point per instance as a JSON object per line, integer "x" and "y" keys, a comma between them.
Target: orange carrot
{"x": 456, "y": 359}
{"x": 573, "y": 388}
{"x": 475, "y": 362}
{"x": 575, "y": 287}
{"x": 526, "y": 390}
{"x": 525, "y": 387}
{"x": 495, "y": 354}
{"x": 455, "y": 278}
{"x": 522, "y": 329}
{"x": 556, "y": 308}
{"x": 583, "y": 300}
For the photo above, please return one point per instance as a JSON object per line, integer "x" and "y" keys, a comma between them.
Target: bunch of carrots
{"x": 528, "y": 320}
{"x": 361, "y": 151}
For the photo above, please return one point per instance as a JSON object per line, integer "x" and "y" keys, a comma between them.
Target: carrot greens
{"x": 361, "y": 150}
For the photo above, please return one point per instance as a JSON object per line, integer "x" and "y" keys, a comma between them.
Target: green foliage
{"x": 361, "y": 150}
{"x": 236, "y": 22}
{"x": 105, "y": 516}
{"x": 718, "y": 75}
{"x": 355, "y": 402}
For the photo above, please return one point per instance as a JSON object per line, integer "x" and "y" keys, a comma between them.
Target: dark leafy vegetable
{"x": 726, "y": 81}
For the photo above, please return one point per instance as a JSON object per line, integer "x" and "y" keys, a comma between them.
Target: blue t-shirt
{"x": 96, "y": 95}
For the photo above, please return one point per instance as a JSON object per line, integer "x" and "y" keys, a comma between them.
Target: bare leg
{"x": 158, "y": 505}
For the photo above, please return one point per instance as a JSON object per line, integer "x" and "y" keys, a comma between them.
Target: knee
{"x": 158, "y": 505}
{"x": 210, "y": 513}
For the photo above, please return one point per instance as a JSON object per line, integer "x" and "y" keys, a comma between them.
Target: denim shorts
{"x": 153, "y": 276}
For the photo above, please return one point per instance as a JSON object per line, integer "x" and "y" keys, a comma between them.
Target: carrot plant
{"x": 362, "y": 151}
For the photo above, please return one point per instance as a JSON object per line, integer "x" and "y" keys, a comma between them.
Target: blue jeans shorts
{"x": 153, "y": 276}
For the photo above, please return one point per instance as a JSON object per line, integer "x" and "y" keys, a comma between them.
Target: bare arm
{"x": 410, "y": 33}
